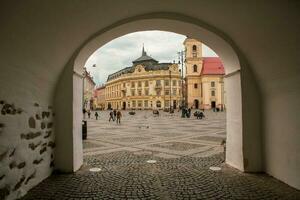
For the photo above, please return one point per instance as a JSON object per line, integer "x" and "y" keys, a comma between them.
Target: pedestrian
{"x": 83, "y": 111}
{"x": 200, "y": 115}
{"x": 89, "y": 114}
{"x": 96, "y": 115}
{"x": 189, "y": 113}
{"x": 111, "y": 116}
{"x": 119, "y": 115}
{"x": 115, "y": 114}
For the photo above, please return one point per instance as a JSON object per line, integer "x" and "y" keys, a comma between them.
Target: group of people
{"x": 186, "y": 112}
{"x": 115, "y": 115}
{"x": 89, "y": 114}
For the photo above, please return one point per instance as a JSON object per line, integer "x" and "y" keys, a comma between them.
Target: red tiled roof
{"x": 212, "y": 66}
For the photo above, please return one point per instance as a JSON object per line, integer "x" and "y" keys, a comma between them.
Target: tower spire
{"x": 143, "y": 51}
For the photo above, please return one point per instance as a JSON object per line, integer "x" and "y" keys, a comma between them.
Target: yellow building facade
{"x": 204, "y": 78}
{"x": 147, "y": 84}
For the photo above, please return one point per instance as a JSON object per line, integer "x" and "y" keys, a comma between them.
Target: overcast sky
{"x": 120, "y": 52}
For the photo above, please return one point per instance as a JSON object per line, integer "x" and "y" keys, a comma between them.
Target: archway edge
{"x": 239, "y": 125}
{"x": 172, "y": 22}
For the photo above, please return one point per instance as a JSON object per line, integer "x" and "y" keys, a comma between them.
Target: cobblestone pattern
{"x": 126, "y": 175}
{"x": 169, "y": 135}
{"x": 184, "y": 150}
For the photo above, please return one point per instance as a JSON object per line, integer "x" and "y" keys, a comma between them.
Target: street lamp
{"x": 180, "y": 61}
{"x": 170, "y": 89}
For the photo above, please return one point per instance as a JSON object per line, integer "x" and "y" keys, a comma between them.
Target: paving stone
{"x": 125, "y": 174}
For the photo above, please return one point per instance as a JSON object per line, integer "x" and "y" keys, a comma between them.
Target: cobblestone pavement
{"x": 181, "y": 170}
{"x": 167, "y": 136}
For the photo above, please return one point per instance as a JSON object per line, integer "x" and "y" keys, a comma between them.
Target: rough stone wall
{"x": 26, "y": 147}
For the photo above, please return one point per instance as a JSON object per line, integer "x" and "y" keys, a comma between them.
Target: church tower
{"x": 193, "y": 66}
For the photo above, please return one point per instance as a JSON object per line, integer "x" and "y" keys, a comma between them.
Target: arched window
{"x": 194, "y": 52}
{"x": 194, "y": 48}
{"x": 195, "y": 68}
{"x": 158, "y": 104}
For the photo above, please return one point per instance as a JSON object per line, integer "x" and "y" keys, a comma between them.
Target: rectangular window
{"x": 174, "y": 92}
{"x": 167, "y": 92}
{"x": 195, "y": 85}
{"x": 140, "y": 92}
{"x": 132, "y": 92}
{"x": 146, "y": 92}
{"x": 140, "y": 104}
{"x": 166, "y": 83}
{"x": 179, "y": 83}
{"x": 158, "y": 92}
{"x": 124, "y": 84}
{"x": 213, "y": 93}
{"x": 132, "y": 84}
{"x": 212, "y": 84}
{"x": 174, "y": 83}
{"x": 128, "y": 104}
{"x": 133, "y": 104}
{"x": 146, "y": 83}
{"x": 139, "y": 84}
{"x": 158, "y": 82}
{"x": 146, "y": 103}
{"x": 167, "y": 103}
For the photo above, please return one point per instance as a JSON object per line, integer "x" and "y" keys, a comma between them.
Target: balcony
{"x": 158, "y": 86}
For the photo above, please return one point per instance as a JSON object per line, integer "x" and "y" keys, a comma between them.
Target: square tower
{"x": 193, "y": 66}
{"x": 193, "y": 57}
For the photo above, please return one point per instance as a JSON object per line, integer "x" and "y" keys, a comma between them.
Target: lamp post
{"x": 170, "y": 90}
{"x": 180, "y": 58}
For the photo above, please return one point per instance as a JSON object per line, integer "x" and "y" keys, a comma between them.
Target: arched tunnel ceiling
{"x": 41, "y": 36}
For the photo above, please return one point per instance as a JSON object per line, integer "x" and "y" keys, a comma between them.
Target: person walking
{"x": 189, "y": 112}
{"x": 119, "y": 115}
{"x": 111, "y": 116}
{"x": 89, "y": 114}
{"x": 96, "y": 115}
{"x": 83, "y": 111}
{"x": 115, "y": 114}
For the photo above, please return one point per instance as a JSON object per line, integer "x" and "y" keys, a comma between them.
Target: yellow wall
{"x": 132, "y": 90}
{"x": 199, "y": 87}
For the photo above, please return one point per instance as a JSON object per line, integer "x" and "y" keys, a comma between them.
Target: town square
{"x": 154, "y": 100}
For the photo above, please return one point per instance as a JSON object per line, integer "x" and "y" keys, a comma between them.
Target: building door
{"x": 213, "y": 104}
{"x": 158, "y": 104}
{"x": 124, "y": 106}
{"x": 174, "y": 104}
{"x": 109, "y": 106}
{"x": 196, "y": 103}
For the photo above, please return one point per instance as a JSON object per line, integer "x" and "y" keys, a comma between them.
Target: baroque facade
{"x": 147, "y": 84}
{"x": 99, "y": 97}
{"x": 88, "y": 90}
{"x": 204, "y": 78}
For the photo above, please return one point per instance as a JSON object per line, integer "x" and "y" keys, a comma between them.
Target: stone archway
{"x": 243, "y": 133}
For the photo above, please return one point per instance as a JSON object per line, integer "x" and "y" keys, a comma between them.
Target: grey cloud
{"x": 120, "y": 52}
